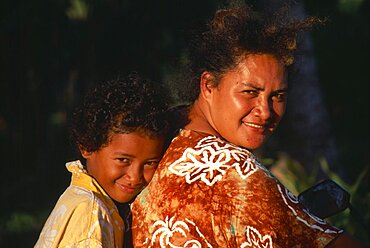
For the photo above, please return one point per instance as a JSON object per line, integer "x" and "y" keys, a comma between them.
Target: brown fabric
{"x": 209, "y": 193}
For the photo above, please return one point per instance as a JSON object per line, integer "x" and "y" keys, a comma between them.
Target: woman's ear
{"x": 206, "y": 84}
{"x": 85, "y": 154}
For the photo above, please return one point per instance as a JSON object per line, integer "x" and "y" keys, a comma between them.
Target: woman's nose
{"x": 263, "y": 109}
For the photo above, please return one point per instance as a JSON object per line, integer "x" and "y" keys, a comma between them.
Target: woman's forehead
{"x": 258, "y": 70}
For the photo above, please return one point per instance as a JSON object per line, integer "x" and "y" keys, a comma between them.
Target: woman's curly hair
{"x": 119, "y": 106}
{"x": 239, "y": 31}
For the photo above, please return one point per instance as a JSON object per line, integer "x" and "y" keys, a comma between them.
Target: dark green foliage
{"x": 52, "y": 50}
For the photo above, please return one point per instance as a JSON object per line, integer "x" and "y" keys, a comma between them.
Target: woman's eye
{"x": 250, "y": 92}
{"x": 279, "y": 97}
{"x": 152, "y": 164}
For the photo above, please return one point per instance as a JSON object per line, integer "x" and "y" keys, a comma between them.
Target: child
{"x": 120, "y": 130}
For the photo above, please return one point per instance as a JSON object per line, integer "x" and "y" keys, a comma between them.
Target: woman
{"x": 209, "y": 189}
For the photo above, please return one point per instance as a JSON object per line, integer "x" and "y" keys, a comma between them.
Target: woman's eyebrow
{"x": 258, "y": 87}
{"x": 252, "y": 85}
{"x": 285, "y": 89}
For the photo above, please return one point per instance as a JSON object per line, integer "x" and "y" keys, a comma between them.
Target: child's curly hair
{"x": 119, "y": 106}
{"x": 238, "y": 31}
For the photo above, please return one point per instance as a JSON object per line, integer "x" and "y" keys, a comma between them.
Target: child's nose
{"x": 134, "y": 174}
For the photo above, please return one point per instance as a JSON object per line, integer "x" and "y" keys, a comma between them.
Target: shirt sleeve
{"x": 263, "y": 211}
{"x": 87, "y": 243}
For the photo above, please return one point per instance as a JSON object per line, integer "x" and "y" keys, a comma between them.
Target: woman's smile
{"x": 249, "y": 101}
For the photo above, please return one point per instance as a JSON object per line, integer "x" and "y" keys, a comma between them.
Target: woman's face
{"x": 249, "y": 101}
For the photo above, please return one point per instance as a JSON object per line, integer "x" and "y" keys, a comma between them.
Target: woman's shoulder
{"x": 206, "y": 144}
{"x": 202, "y": 157}
{"x": 194, "y": 139}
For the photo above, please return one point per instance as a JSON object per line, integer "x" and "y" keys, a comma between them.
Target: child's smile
{"x": 126, "y": 165}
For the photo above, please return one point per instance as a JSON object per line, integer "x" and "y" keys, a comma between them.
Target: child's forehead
{"x": 139, "y": 132}
{"x": 135, "y": 144}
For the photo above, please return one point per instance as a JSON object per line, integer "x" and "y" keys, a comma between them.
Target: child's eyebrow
{"x": 122, "y": 154}
{"x": 132, "y": 156}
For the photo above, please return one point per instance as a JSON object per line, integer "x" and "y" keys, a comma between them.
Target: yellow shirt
{"x": 84, "y": 216}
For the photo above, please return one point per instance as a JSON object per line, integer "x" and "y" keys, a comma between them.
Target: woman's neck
{"x": 198, "y": 120}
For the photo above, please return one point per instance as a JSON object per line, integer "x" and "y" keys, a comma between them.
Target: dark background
{"x": 52, "y": 50}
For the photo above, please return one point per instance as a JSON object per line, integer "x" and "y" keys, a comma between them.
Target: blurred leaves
{"x": 356, "y": 221}
{"x": 292, "y": 174}
{"x": 21, "y": 227}
{"x": 58, "y": 119}
{"x": 20, "y": 222}
{"x": 52, "y": 50}
{"x": 354, "y": 187}
{"x": 78, "y": 10}
{"x": 350, "y": 6}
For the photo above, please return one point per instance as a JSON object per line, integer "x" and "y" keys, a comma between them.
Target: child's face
{"x": 126, "y": 165}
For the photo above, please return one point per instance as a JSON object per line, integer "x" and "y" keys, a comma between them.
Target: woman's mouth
{"x": 254, "y": 125}
{"x": 261, "y": 127}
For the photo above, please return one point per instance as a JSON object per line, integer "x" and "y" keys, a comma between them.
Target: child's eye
{"x": 123, "y": 160}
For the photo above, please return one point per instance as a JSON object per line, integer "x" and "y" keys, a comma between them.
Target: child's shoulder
{"x": 82, "y": 198}
{"x": 78, "y": 195}
{"x": 78, "y": 214}
{"x": 81, "y": 204}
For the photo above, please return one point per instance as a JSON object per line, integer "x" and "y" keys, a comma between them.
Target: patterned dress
{"x": 84, "y": 216}
{"x": 210, "y": 193}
